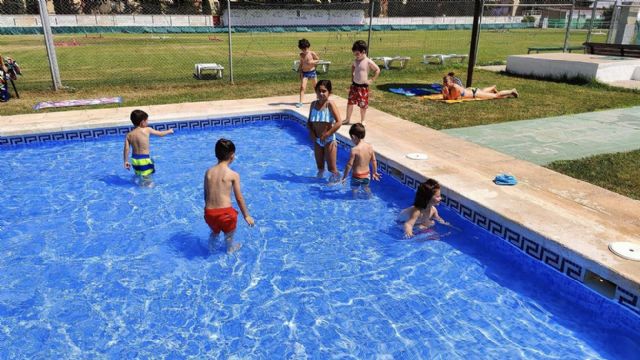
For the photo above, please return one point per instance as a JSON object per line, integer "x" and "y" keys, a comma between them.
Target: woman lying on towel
{"x": 451, "y": 90}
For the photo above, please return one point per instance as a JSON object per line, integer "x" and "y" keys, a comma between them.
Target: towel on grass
{"x": 81, "y": 102}
{"x": 417, "y": 91}
{"x": 438, "y": 97}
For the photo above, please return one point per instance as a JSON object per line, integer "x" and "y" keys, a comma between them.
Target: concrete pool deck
{"x": 566, "y": 137}
{"x": 573, "y": 215}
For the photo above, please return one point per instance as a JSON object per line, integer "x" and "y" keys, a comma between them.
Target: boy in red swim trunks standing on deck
{"x": 361, "y": 155}
{"x": 359, "y": 90}
{"x": 219, "y": 181}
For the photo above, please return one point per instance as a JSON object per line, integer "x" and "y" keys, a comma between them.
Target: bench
{"x": 387, "y": 61}
{"x": 613, "y": 49}
{"x": 539, "y": 49}
{"x": 216, "y": 68}
{"x": 442, "y": 58}
{"x": 322, "y": 66}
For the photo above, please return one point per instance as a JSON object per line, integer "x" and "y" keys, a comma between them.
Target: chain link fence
{"x": 110, "y": 43}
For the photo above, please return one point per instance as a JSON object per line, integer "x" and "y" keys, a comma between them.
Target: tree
{"x": 181, "y": 7}
{"x": 151, "y": 6}
{"x": 32, "y": 7}
{"x": 65, "y": 7}
{"x": 206, "y": 7}
{"x": 13, "y": 7}
{"x": 91, "y": 6}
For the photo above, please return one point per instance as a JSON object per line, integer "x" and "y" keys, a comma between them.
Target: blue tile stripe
{"x": 528, "y": 246}
{"x": 91, "y": 134}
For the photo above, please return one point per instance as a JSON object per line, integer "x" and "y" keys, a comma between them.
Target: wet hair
{"x": 449, "y": 77}
{"x": 359, "y": 45}
{"x": 138, "y": 116}
{"x": 425, "y": 192}
{"x": 357, "y": 130}
{"x": 325, "y": 83}
{"x": 303, "y": 44}
{"x": 224, "y": 149}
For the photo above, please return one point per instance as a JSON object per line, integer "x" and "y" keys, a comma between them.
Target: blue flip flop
{"x": 505, "y": 179}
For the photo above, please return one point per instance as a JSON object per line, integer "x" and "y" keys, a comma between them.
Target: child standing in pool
{"x": 138, "y": 139}
{"x": 324, "y": 121}
{"x": 424, "y": 211}
{"x": 307, "y": 68}
{"x": 362, "y": 155}
{"x": 359, "y": 90}
{"x": 219, "y": 181}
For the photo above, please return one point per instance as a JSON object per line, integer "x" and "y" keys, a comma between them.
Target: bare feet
{"x": 346, "y": 122}
{"x": 320, "y": 174}
{"x": 233, "y": 248}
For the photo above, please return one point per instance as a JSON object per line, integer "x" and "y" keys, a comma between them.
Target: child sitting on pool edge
{"x": 423, "y": 212}
{"x": 219, "y": 181}
{"x": 138, "y": 139}
{"x": 361, "y": 155}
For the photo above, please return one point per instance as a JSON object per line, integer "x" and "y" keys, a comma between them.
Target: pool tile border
{"x": 523, "y": 239}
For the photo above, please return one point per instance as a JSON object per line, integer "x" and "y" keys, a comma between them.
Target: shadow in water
{"x": 116, "y": 180}
{"x": 189, "y": 245}
{"x": 332, "y": 192}
{"x": 289, "y": 176}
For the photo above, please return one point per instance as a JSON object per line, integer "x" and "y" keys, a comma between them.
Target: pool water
{"x": 92, "y": 265}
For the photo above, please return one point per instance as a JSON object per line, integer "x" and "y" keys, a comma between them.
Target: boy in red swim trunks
{"x": 359, "y": 90}
{"x": 219, "y": 181}
{"x": 361, "y": 155}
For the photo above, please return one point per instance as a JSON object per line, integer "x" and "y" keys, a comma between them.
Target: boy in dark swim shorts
{"x": 307, "y": 69}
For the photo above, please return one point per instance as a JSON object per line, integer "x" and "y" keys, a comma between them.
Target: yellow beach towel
{"x": 438, "y": 97}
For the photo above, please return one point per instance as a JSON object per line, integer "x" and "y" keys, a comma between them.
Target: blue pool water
{"x": 93, "y": 266}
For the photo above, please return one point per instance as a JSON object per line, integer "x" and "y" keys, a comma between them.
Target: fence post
{"x": 51, "y": 49}
{"x": 566, "y": 33}
{"x": 475, "y": 37}
{"x": 613, "y": 25}
{"x": 230, "y": 45}
{"x": 593, "y": 15}
{"x": 370, "y": 24}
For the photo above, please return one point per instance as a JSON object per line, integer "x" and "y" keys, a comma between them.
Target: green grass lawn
{"x": 619, "y": 172}
{"x": 157, "y": 68}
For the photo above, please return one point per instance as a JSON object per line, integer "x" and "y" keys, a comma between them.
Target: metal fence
{"x": 109, "y": 43}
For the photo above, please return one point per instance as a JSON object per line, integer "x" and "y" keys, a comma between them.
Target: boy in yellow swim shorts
{"x": 138, "y": 139}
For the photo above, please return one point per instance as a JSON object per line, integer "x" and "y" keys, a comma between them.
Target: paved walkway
{"x": 542, "y": 141}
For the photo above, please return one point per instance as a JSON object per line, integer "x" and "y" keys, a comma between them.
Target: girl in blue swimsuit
{"x": 324, "y": 121}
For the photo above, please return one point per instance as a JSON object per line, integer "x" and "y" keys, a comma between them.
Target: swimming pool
{"x": 93, "y": 265}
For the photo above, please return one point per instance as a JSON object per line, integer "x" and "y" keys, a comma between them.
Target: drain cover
{"x": 627, "y": 250}
{"x": 417, "y": 156}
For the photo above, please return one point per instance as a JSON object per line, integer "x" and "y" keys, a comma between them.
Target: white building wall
{"x": 293, "y": 17}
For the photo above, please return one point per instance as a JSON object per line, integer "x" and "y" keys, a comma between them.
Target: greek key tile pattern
{"x": 90, "y": 134}
{"x": 507, "y": 232}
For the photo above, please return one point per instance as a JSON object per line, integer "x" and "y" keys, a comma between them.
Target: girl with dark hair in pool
{"x": 324, "y": 121}
{"x": 423, "y": 212}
